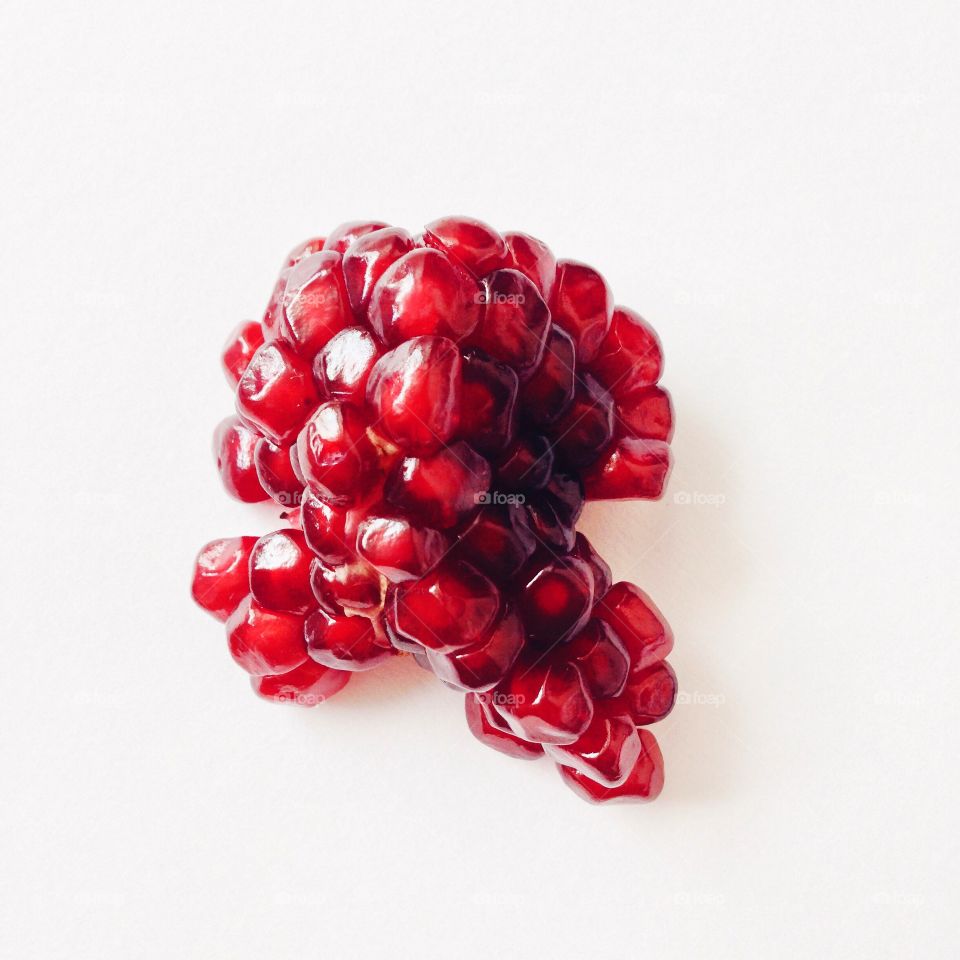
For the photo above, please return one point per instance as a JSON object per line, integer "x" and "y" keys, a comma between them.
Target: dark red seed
{"x": 632, "y": 616}
{"x": 308, "y": 685}
{"x": 355, "y": 587}
{"x": 582, "y": 304}
{"x": 342, "y": 366}
{"x": 367, "y": 259}
{"x": 481, "y": 727}
{"x": 348, "y": 233}
{"x": 220, "y": 577}
{"x": 265, "y": 642}
{"x": 606, "y": 752}
{"x": 234, "y": 445}
{"x": 485, "y": 665}
{"x": 414, "y": 394}
{"x": 345, "y": 643}
{"x": 314, "y": 303}
{"x": 532, "y": 258}
{"x": 274, "y": 466}
{"x": 276, "y": 392}
{"x": 399, "y": 549}
{"x": 650, "y": 694}
{"x": 474, "y": 244}
{"x": 646, "y": 413}
{"x": 527, "y": 464}
{"x": 644, "y": 782}
{"x": 244, "y": 341}
{"x": 629, "y": 356}
{"x": 324, "y": 528}
{"x": 280, "y": 572}
{"x": 498, "y": 541}
{"x": 601, "y": 658}
{"x": 555, "y": 600}
{"x": 549, "y": 391}
{"x": 586, "y": 428}
{"x": 630, "y": 469}
{"x": 487, "y": 405}
{"x": 602, "y": 576}
{"x": 554, "y": 511}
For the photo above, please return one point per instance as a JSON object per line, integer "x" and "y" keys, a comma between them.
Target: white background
{"x": 775, "y": 187}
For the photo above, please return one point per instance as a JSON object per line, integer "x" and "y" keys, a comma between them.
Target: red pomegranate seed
{"x": 485, "y": 665}
{"x": 602, "y": 577}
{"x": 533, "y": 259}
{"x": 273, "y": 313}
{"x": 355, "y": 587}
{"x": 650, "y": 694}
{"x": 324, "y": 528}
{"x": 498, "y": 541}
{"x": 233, "y": 447}
{"x": 414, "y": 394}
{"x": 474, "y": 244}
{"x": 488, "y": 398}
{"x": 280, "y": 572}
{"x": 632, "y": 616}
{"x": 646, "y": 413}
{"x": 342, "y": 366}
{"x": 586, "y": 428}
{"x": 276, "y": 392}
{"x": 220, "y": 577}
{"x": 314, "y": 303}
{"x": 600, "y": 656}
{"x": 303, "y": 250}
{"x": 345, "y": 643}
{"x": 555, "y": 600}
{"x": 336, "y": 455}
{"x": 276, "y": 474}
{"x": 423, "y": 294}
{"x": 308, "y": 685}
{"x": 399, "y": 549}
{"x": 544, "y": 701}
{"x": 481, "y": 727}
{"x": 515, "y": 322}
{"x": 630, "y": 469}
{"x": 265, "y": 641}
{"x": 554, "y": 511}
{"x": 244, "y": 341}
{"x": 548, "y": 392}
{"x": 442, "y": 490}
{"x": 583, "y": 305}
{"x": 630, "y": 356}
{"x": 607, "y": 751}
{"x": 644, "y": 782}
{"x": 348, "y": 233}
{"x": 527, "y": 464}
{"x": 367, "y": 259}
{"x": 451, "y": 608}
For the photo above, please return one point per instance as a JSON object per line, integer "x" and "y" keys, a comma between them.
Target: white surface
{"x": 775, "y": 187}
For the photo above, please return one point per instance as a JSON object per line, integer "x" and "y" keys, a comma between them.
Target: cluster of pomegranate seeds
{"x": 432, "y": 412}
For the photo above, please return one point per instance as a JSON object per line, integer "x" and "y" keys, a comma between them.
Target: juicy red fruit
{"x": 582, "y": 304}
{"x": 243, "y": 342}
{"x": 474, "y": 244}
{"x": 280, "y": 572}
{"x": 265, "y": 642}
{"x": 234, "y": 447}
{"x": 220, "y": 579}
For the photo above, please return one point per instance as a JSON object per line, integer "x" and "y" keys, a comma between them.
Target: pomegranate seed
{"x": 533, "y": 259}
{"x": 442, "y": 490}
{"x": 234, "y": 445}
{"x": 481, "y": 727}
{"x": 630, "y": 356}
{"x": 314, "y": 303}
{"x": 632, "y": 616}
{"x": 336, "y": 455}
{"x": 498, "y": 541}
{"x": 324, "y": 529}
{"x": 280, "y": 572}
{"x": 273, "y": 313}
{"x": 451, "y": 608}
{"x": 474, "y": 244}
{"x": 606, "y": 752}
{"x": 276, "y": 392}
{"x": 602, "y": 577}
{"x": 650, "y": 694}
{"x": 644, "y": 782}
{"x": 308, "y": 685}
{"x": 526, "y": 465}
{"x": 544, "y": 701}
{"x": 275, "y": 471}
{"x": 367, "y": 259}
{"x": 555, "y": 600}
{"x": 354, "y": 587}
{"x": 243, "y": 342}
{"x": 220, "y": 578}
{"x": 601, "y": 658}
{"x": 488, "y": 397}
{"x": 265, "y": 641}
{"x": 586, "y": 428}
{"x": 554, "y": 511}
{"x": 303, "y": 250}
{"x": 515, "y": 322}
{"x": 348, "y": 233}
{"x": 414, "y": 392}
{"x": 646, "y": 413}
{"x": 345, "y": 643}
{"x": 398, "y": 549}
{"x": 485, "y": 665}
{"x": 548, "y": 392}
{"x": 423, "y": 294}
{"x": 631, "y": 469}
{"x": 582, "y": 304}
{"x": 342, "y": 366}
